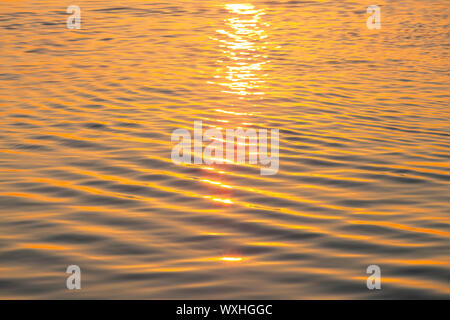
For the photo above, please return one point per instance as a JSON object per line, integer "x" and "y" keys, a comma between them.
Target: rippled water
{"x": 87, "y": 179}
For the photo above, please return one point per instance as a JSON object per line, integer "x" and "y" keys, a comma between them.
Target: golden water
{"x": 86, "y": 176}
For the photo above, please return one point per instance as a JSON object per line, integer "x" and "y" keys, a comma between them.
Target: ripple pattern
{"x": 86, "y": 176}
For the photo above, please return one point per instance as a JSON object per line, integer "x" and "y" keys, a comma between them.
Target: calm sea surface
{"x": 86, "y": 176}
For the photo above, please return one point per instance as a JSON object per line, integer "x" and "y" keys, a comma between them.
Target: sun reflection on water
{"x": 242, "y": 42}
{"x": 231, "y": 259}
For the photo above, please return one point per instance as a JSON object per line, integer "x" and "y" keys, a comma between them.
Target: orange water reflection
{"x": 242, "y": 42}
{"x": 85, "y": 169}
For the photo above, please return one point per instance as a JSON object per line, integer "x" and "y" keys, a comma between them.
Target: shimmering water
{"x": 86, "y": 176}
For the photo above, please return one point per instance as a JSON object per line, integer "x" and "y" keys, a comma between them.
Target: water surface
{"x": 86, "y": 176}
